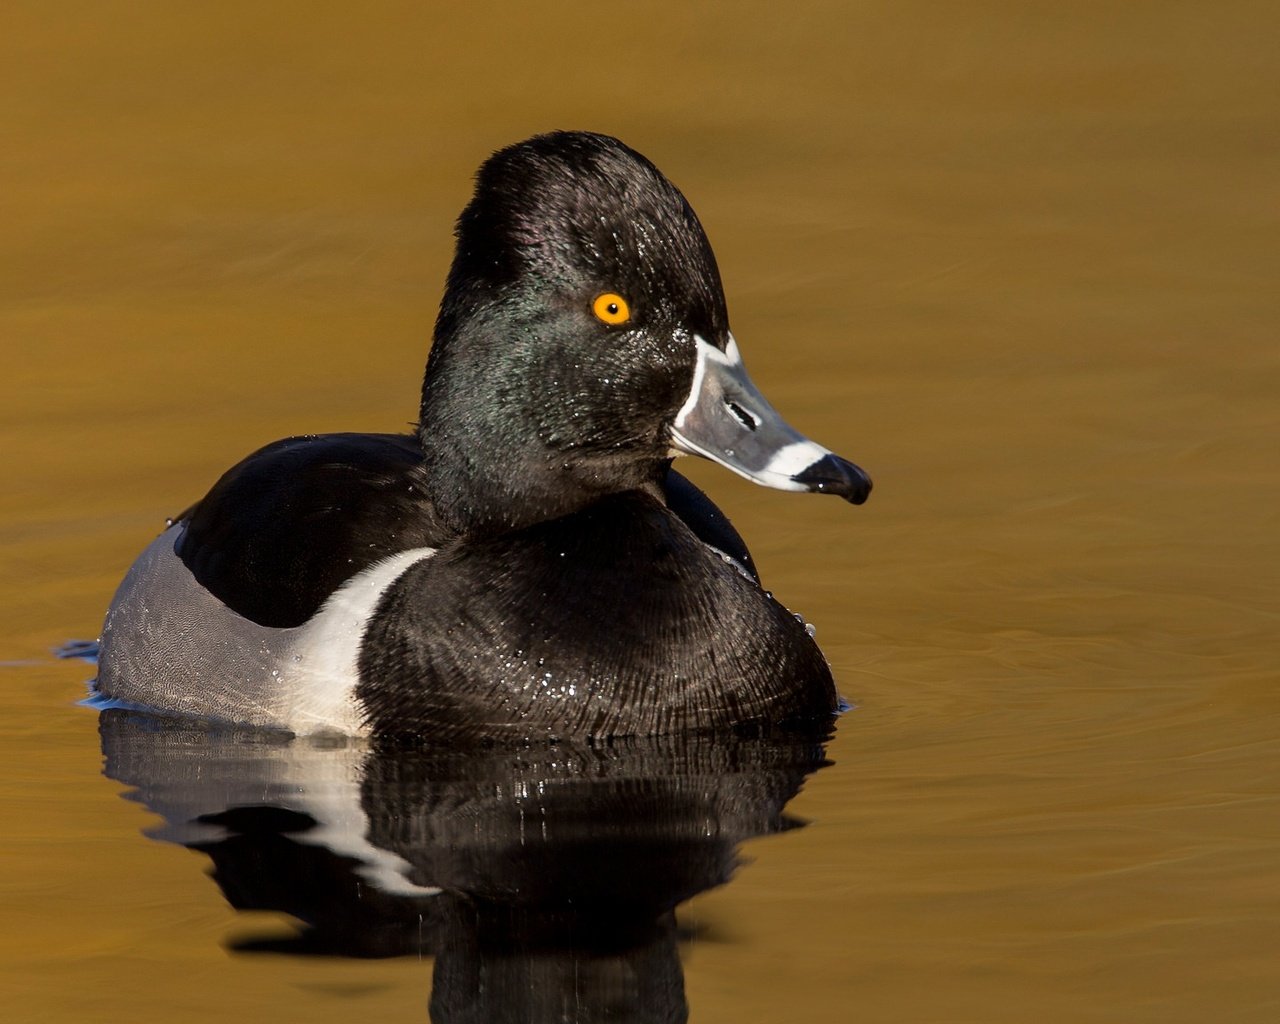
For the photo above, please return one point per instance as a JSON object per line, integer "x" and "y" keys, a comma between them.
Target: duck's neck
{"x": 494, "y": 459}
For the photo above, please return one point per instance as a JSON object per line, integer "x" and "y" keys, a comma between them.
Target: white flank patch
{"x": 169, "y": 645}
{"x": 321, "y": 664}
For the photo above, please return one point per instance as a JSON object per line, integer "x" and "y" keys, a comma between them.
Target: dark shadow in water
{"x": 543, "y": 879}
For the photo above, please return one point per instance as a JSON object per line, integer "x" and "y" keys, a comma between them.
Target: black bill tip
{"x": 834, "y": 475}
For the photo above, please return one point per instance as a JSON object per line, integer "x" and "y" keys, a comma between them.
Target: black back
{"x": 284, "y": 528}
{"x": 287, "y": 526}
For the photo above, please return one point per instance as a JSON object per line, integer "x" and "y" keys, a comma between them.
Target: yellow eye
{"x": 611, "y": 308}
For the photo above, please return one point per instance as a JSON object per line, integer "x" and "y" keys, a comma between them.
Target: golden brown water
{"x": 1020, "y": 261}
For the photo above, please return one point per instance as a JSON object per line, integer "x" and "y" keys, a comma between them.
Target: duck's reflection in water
{"x": 543, "y": 879}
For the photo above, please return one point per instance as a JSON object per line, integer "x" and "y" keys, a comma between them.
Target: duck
{"x": 527, "y": 562}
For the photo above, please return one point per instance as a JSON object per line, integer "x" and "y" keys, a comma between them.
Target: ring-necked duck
{"x": 527, "y": 561}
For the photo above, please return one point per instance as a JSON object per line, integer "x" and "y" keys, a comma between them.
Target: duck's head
{"x": 583, "y": 341}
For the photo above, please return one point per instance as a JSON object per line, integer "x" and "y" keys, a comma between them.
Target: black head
{"x": 562, "y": 217}
{"x": 582, "y": 297}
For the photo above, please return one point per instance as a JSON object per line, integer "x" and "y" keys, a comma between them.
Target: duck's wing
{"x": 283, "y": 529}
{"x": 708, "y": 523}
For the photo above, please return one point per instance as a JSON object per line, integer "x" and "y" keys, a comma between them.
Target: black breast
{"x": 614, "y": 620}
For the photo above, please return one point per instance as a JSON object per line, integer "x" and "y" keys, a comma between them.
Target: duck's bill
{"x": 727, "y": 420}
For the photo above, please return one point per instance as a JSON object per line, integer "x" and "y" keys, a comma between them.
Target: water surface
{"x": 1018, "y": 261}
